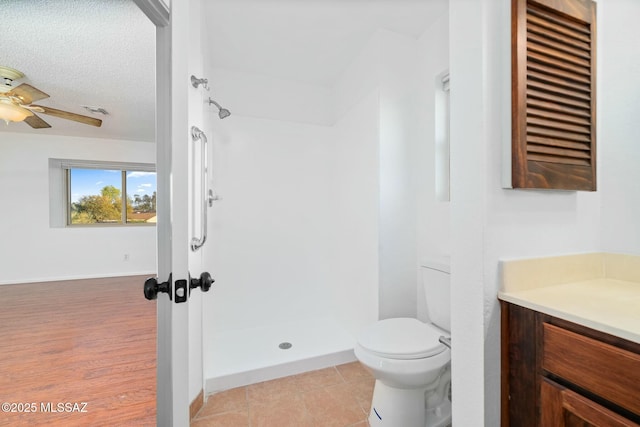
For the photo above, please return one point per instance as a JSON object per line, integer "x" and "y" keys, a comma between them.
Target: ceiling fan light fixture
{"x": 8, "y": 75}
{"x": 10, "y": 112}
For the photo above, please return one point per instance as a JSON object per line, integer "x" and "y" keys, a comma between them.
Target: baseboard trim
{"x": 214, "y": 385}
{"x": 79, "y": 277}
{"x": 196, "y": 405}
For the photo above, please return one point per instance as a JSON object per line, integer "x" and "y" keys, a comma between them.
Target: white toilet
{"x": 412, "y": 368}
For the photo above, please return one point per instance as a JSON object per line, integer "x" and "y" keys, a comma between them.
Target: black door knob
{"x": 204, "y": 282}
{"x": 152, "y": 288}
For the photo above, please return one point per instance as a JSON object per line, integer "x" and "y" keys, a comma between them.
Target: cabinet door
{"x": 561, "y": 407}
{"x": 554, "y": 94}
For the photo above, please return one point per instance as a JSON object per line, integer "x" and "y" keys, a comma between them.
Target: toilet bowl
{"x": 412, "y": 371}
{"x": 411, "y": 366}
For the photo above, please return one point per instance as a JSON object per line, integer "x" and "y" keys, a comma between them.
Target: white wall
{"x": 260, "y": 96}
{"x": 399, "y": 138}
{"x": 618, "y": 112}
{"x": 468, "y": 145}
{"x": 433, "y": 216}
{"x": 353, "y": 277}
{"x": 390, "y": 65}
{"x": 269, "y": 233}
{"x": 31, "y": 250}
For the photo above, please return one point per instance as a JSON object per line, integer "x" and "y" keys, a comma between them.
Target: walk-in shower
{"x": 293, "y": 283}
{"x": 316, "y": 236}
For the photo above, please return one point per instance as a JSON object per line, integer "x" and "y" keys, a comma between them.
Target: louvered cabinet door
{"x": 554, "y": 94}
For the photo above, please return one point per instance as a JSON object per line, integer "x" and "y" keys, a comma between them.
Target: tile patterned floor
{"x": 333, "y": 397}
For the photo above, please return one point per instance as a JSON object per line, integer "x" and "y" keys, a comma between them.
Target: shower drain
{"x": 285, "y": 345}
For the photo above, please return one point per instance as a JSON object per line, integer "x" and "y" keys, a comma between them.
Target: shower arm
{"x": 211, "y": 101}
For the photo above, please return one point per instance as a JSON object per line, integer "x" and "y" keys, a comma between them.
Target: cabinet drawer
{"x": 607, "y": 371}
{"x": 562, "y": 407}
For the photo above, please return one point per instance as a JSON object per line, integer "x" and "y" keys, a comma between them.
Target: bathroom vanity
{"x": 571, "y": 341}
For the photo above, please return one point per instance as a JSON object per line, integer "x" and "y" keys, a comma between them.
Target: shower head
{"x": 223, "y": 112}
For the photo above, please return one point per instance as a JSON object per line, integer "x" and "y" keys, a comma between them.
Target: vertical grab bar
{"x": 197, "y": 134}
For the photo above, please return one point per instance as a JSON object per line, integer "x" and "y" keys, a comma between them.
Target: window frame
{"x": 60, "y": 189}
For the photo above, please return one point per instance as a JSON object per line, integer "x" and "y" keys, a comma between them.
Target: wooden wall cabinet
{"x": 557, "y": 373}
{"x": 553, "y": 94}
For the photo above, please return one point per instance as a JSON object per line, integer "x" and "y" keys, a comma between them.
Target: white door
{"x": 178, "y": 56}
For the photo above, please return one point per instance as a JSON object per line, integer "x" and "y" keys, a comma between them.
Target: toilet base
{"x": 393, "y": 407}
{"x": 440, "y": 416}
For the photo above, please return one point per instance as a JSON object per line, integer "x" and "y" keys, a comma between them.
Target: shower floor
{"x": 242, "y": 357}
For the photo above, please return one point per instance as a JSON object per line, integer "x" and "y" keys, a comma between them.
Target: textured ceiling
{"x": 310, "y": 41}
{"x": 90, "y": 52}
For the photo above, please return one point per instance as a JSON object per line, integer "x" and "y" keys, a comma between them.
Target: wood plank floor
{"x": 82, "y": 341}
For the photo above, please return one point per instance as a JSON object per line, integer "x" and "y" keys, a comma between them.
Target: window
{"x": 102, "y": 193}
{"x": 442, "y": 166}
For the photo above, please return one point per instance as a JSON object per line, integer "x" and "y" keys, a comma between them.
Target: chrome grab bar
{"x": 197, "y": 134}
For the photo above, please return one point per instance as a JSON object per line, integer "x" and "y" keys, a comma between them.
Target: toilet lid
{"x": 401, "y": 338}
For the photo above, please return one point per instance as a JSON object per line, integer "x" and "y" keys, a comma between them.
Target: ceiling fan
{"x": 16, "y": 103}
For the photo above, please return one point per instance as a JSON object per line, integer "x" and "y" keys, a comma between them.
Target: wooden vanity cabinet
{"x": 558, "y": 373}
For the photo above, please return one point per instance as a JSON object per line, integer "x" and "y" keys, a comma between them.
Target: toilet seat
{"x": 401, "y": 338}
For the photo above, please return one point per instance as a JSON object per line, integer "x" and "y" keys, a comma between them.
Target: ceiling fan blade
{"x": 70, "y": 116}
{"x": 28, "y": 93}
{"x": 36, "y": 122}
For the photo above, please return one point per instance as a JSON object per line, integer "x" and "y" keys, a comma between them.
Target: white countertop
{"x": 606, "y": 304}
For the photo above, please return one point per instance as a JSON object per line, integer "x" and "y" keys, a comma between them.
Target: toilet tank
{"x": 436, "y": 274}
